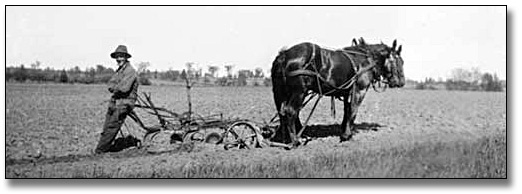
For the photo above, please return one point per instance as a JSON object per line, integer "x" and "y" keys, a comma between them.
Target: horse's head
{"x": 388, "y": 60}
{"x": 393, "y": 67}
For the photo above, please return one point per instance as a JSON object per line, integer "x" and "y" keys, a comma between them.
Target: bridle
{"x": 389, "y": 72}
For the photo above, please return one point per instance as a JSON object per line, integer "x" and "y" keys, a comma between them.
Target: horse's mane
{"x": 371, "y": 49}
{"x": 375, "y": 51}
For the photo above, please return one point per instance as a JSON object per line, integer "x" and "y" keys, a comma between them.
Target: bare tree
{"x": 36, "y": 64}
{"x": 142, "y": 67}
{"x": 259, "y": 73}
{"x": 190, "y": 69}
{"x": 198, "y": 73}
{"x": 213, "y": 69}
{"x": 460, "y": 74}
{"x": 490, "y": 82}
{"x": 476, "y": 75}
{"x": 229, "y": 70}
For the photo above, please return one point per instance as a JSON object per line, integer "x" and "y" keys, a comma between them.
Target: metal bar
{"x": 310, "y": 115}
{"x": 162, "y": 121}
{"x": 173, "y": 114}
{"x": 135, "y": 117}
{"x": 310, "y": 98}
{"x": 332, "y": 107}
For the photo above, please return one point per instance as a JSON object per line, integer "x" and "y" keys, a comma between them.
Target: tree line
{"x": 100, "y": 74}
{"x": 459, "y": 79}
{"x": 466, "y": 80}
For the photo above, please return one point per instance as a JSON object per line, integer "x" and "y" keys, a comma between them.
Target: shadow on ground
{"x": 335, "y": 129}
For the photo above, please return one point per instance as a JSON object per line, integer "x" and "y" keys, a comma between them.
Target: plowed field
{"x": 52, "y": 129}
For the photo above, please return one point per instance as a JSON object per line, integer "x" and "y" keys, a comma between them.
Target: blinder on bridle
{"x": 386, "y": 72}
{"x": 389, "y": 66}
{"x": 392, "y": 69}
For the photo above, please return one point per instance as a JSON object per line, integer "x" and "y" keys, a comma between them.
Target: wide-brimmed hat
{"x": 122, "y": 49}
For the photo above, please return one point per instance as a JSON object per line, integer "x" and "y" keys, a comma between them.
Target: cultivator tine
{"x": 141, "y": 101}
{"x": 135, "y": 117}
{"x": 161, "y": 120}
{"x": 273, "y": 119}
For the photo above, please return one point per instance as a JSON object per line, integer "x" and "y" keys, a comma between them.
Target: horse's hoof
{"x": 294, "y": 145}
{"x": 303, "y": 141}
{"x": 345, "y": 137}
{"x": 289, "y": 146}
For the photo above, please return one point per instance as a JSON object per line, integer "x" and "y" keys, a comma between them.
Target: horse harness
{"x": 315, "y": 73}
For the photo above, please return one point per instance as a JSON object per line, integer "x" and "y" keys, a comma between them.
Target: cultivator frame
{"x": 192, "y": 127}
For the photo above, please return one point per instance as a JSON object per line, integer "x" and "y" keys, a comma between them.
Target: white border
{"x": 294, "y": 186}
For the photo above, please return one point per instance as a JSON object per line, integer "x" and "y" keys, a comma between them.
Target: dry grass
{"x": 483, "y": 158}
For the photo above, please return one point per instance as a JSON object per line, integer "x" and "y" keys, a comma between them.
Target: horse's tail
{"x": 278, "y": 76}
{"x": 281, "y": 57}
{"x": 278, "y": 68}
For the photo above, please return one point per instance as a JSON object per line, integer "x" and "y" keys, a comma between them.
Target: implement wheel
{"x": 213, "y": 138}
{"x": 240, "y": 135}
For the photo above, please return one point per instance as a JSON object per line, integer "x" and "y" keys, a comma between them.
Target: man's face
{"x": 120, "y": 59}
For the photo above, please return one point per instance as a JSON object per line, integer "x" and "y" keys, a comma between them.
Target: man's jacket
{"x": 124, "y": 85}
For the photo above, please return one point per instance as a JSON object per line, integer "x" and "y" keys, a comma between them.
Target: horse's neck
{"x": 371, "y": 75}
{"x": 365, "y": 80}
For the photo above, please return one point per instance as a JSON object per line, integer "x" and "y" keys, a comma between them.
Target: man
{"x": 124, "y": 88}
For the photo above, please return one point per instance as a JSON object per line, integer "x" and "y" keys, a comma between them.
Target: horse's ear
{"x": 399, "y": 50}
{"x": 394, "y": 44}
{"x": 354, "y": 42}
{"x": 361, "y": 41}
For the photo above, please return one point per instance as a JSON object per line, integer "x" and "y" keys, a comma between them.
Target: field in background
{"x": 413, "y": 134}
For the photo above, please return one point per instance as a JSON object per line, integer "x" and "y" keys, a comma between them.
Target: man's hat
{"x": 122, "y": 49}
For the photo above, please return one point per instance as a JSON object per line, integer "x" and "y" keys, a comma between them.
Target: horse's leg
{"x": 298, "y": 125}
{"x": 283, "y": 132}
{"x": 280, "y": 99}
{"x": 291, "y": 115}
{"x": 288, "y": 111}
{"x": 351, "y": 107}
{"x": 346, "y": 124}
{"x": 359, "y": 97}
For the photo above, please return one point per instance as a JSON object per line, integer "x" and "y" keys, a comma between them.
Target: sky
{"x": 435, "y": 40}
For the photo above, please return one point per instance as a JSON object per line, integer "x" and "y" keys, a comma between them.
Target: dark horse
{"x": 345, "y": 74}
